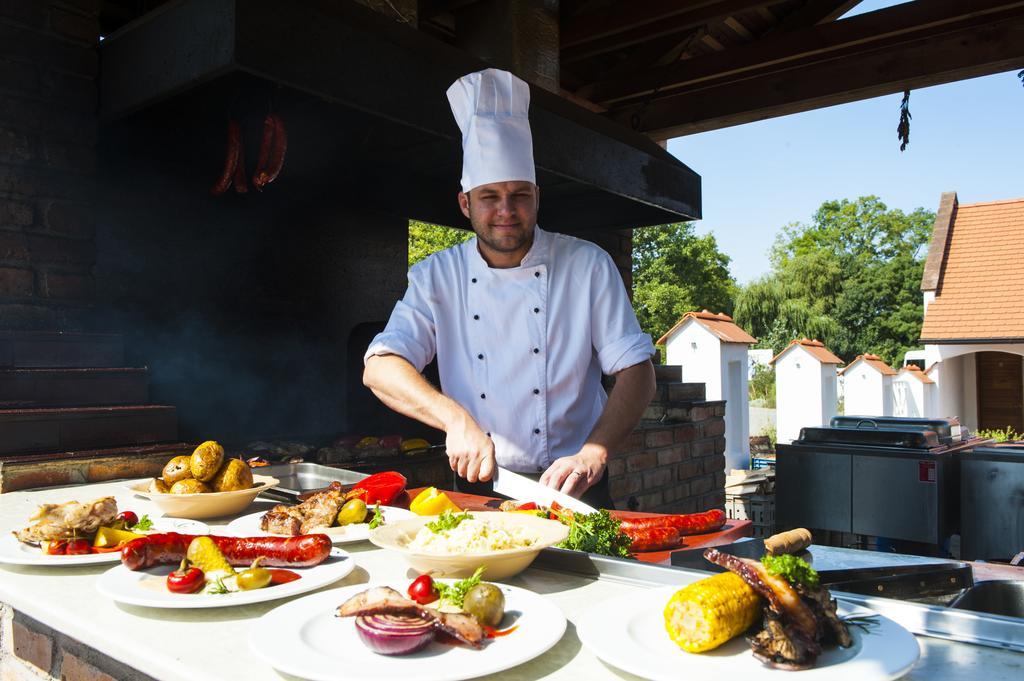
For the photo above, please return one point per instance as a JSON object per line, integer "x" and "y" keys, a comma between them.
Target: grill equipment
{"x": 884, "y": 477}
{"x": 992, "y": 502}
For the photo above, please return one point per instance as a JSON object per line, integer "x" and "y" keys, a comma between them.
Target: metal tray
{"x": 301, "y": 477}
{"x": 963, "y": 626}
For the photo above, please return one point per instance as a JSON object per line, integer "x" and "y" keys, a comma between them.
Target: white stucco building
{"x": 867, "y": 386}
{"x": 712, "y": 350}
{"x": 805, "y": 387}
{"x": 973, "y": 330}
{"x": 914, "y": 393}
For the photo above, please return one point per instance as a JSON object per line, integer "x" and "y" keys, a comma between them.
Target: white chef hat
{"x": 491, "y": 108}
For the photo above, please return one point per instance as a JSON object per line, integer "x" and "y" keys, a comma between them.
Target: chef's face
{"x": 503, "y": 215}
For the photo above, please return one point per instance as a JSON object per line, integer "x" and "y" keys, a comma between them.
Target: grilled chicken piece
{"x": 320, "y": 510}
{"x": 68, "y": 520}
{"x": 282, "y": 520}
{"x": 782, "y": 597}
{"x": 783, "y": 646}
{"x": 383, "y": 600}
{"x": 821, "y": 603}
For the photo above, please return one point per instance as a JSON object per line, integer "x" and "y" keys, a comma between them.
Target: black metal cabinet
{"x": 992, "y": 503}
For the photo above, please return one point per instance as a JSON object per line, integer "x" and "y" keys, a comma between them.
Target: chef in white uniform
{"x": 523, "y": 322}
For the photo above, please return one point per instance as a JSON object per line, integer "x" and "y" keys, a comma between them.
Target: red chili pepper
{"x": 283, "y": 576}
{"x": 422, "y": 590}
{"x": 187, "y": 579}
{"x": 528, "y": 506}
{"x": 380, "y": 488}
{"x": 129, "y": 518}
{"x": 79, "y": 547}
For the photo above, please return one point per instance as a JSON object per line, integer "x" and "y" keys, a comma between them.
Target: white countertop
{"x": 191, "y": 645}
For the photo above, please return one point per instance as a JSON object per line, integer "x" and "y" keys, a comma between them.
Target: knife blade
{"x": 522, "y": 488}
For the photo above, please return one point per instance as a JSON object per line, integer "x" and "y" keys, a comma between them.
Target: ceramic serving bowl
{"x": 207, "y": 504}
{"x": 460, "y": 564}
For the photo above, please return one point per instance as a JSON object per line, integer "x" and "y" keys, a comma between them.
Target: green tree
{"x": 850, "y": 278}
{"x": 426, "y": 239}
{"x": 676, "y": 271}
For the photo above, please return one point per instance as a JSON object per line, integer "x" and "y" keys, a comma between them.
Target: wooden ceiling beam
{"x": 610, "y": 36}
{"x": 977, "y": 50}
{"x": 908, "y": 21}
{"x": 815, "y": 12}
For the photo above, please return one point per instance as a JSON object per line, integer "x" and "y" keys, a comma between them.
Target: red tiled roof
{"x": 981, "y": 288}
{"x": 719, "y": 324}
{"x": 872, "y": 361}
{"x": 815, "y": 347}
{"x": 915, "y": 371}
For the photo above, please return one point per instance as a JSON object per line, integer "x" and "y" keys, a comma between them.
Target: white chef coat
{"x": 521, "y": 349}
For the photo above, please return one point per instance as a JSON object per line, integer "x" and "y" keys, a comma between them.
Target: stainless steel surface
{"x": 300, "y": 477}
{"x": 992, "y": 505}
{"x": 997, "y": 597}
{"x": 522, "y": 488}
{"x": 812, "y": 489}
{"x": 913, "y": 498}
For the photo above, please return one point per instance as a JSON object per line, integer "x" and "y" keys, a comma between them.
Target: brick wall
{"x": 674, "y": 460}
{"x": 48, "y": 130}
{"x": 619, "y": 244}
{"x": 29, "y": 650}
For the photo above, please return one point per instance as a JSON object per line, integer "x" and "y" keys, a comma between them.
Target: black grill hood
{"x": 364, "y": 98}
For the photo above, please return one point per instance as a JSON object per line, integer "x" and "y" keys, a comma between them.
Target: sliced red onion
{"x": 395, "y": 634}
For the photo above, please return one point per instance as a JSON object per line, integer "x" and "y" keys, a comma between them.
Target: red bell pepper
{"x": 379, "y": 488}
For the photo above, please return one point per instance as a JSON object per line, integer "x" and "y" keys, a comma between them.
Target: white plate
{"x": 304, "y": 638}
{"x": 148, "y": 587}
{"x": 14, "y": 552}
{"x": 249, "y": 526}
{"x": 628, "y": 632}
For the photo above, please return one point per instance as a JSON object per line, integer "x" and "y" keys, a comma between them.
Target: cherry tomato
{"x": 129, "y": 518}
{"x": 283, "y": 576}
{"x": 422, "y": 590}
{"x": 57, "y": 548}
{"x": 77, "y": 547}
{"x": 187, "y": 579}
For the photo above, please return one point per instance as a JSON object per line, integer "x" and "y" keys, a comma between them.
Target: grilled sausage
{"x": 269, "y": 171}
{"x": 230, "y": 159}
{"x": 653, "y": 538}
{"x": 168, "y": 548}
{"x": 690, "y": 523}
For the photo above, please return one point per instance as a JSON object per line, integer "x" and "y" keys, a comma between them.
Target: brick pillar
{"x": 519, "y": 36}
{"x": 48, "y": 125}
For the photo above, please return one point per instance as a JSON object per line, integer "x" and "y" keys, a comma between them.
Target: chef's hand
{"x": 574, "y": 475}
{"x": 470, "y": 451}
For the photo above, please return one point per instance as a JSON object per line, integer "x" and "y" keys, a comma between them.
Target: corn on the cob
{"x": 706, "y": 614}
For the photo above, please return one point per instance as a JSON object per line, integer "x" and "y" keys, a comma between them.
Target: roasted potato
{"x": 235, "y": 474}
{"x": 206, "y": 460}
{"x": 189, "y": 486}
{"x": 159, "y": 486}
{"x": 178, "y": 468}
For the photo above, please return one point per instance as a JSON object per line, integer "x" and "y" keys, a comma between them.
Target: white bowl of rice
{"x": 504, "y": 543}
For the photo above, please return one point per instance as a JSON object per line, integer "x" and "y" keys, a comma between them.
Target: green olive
{"x": 486, "y": 603}
{"x": 354, "y": 511}
{"x": 254, "y": 578}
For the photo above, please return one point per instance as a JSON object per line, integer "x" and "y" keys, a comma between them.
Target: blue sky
{"x": 966, "y": 137}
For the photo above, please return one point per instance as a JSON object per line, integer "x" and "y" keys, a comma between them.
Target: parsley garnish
{"x": 378, "y": 518}
{"x": 595, "y": 533}
{"x": 217, "y": 587}
{"x": 144, "y": 524}
{"x": 455, "y": 593}
{"x": 448, "y": 521}
{"x": 791, "y": 568}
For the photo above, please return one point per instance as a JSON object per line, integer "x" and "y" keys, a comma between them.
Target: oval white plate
{"x": 628, "y": 632}
{"x": 249, "y": 526}
{"x": 305, "y": 638}
{"x": 148, "y": 587}
{"x": 13, "y": 552}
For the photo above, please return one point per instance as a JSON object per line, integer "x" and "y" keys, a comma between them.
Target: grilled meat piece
{"x": 317, "y": 512}
{"x": 821, "y": 603}
{"x": 782, "y": 597}
{"x": 783, "y": 646}
{"x": 68, "y": 520}
{"x": 384, "y": 600}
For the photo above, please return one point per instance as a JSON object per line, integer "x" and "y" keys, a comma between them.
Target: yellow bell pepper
{"x": 432, "y": 502}
{"x": 111, "y": 536}
{"x": 414, "y": 444}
